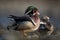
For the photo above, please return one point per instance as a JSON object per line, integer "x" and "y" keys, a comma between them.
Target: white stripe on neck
{"x": 33, "y": 21}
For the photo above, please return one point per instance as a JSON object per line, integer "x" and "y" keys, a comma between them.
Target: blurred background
{"x": 50, "y": 8}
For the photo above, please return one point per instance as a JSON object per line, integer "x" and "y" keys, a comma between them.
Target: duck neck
{"x": 36, "y": 19}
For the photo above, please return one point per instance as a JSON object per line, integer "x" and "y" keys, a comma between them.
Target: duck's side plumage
{"x": 19, "y": 19}
{"x": 24, "y": 22}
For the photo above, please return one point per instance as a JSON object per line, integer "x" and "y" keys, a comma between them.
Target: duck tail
{"x": 11, "y": 16}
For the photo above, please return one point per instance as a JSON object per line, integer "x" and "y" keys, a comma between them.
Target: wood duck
{"x": 46, "y": 26}
{"x": 27, "y": 23}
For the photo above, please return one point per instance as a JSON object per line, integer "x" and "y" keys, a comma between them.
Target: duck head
{"x": 45, "y": 19}
{"x": 33, "y": 13}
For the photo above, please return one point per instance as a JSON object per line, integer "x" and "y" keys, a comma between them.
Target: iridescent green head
{"x": 30, "y": 9}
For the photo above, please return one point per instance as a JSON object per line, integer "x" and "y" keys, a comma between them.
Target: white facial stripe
{"x": 28, "y": 12}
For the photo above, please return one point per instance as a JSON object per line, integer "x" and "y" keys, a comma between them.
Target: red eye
{"x": 34, "y": 11}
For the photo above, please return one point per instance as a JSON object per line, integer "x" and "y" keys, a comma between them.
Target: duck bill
{"x": 38, "y": 13}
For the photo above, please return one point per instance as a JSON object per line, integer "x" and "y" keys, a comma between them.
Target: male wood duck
{"x": 27, "y": 23}
{"x": 46, "y": 26}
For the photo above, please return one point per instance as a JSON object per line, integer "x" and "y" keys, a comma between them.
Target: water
{"x": 16, "y": 35}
